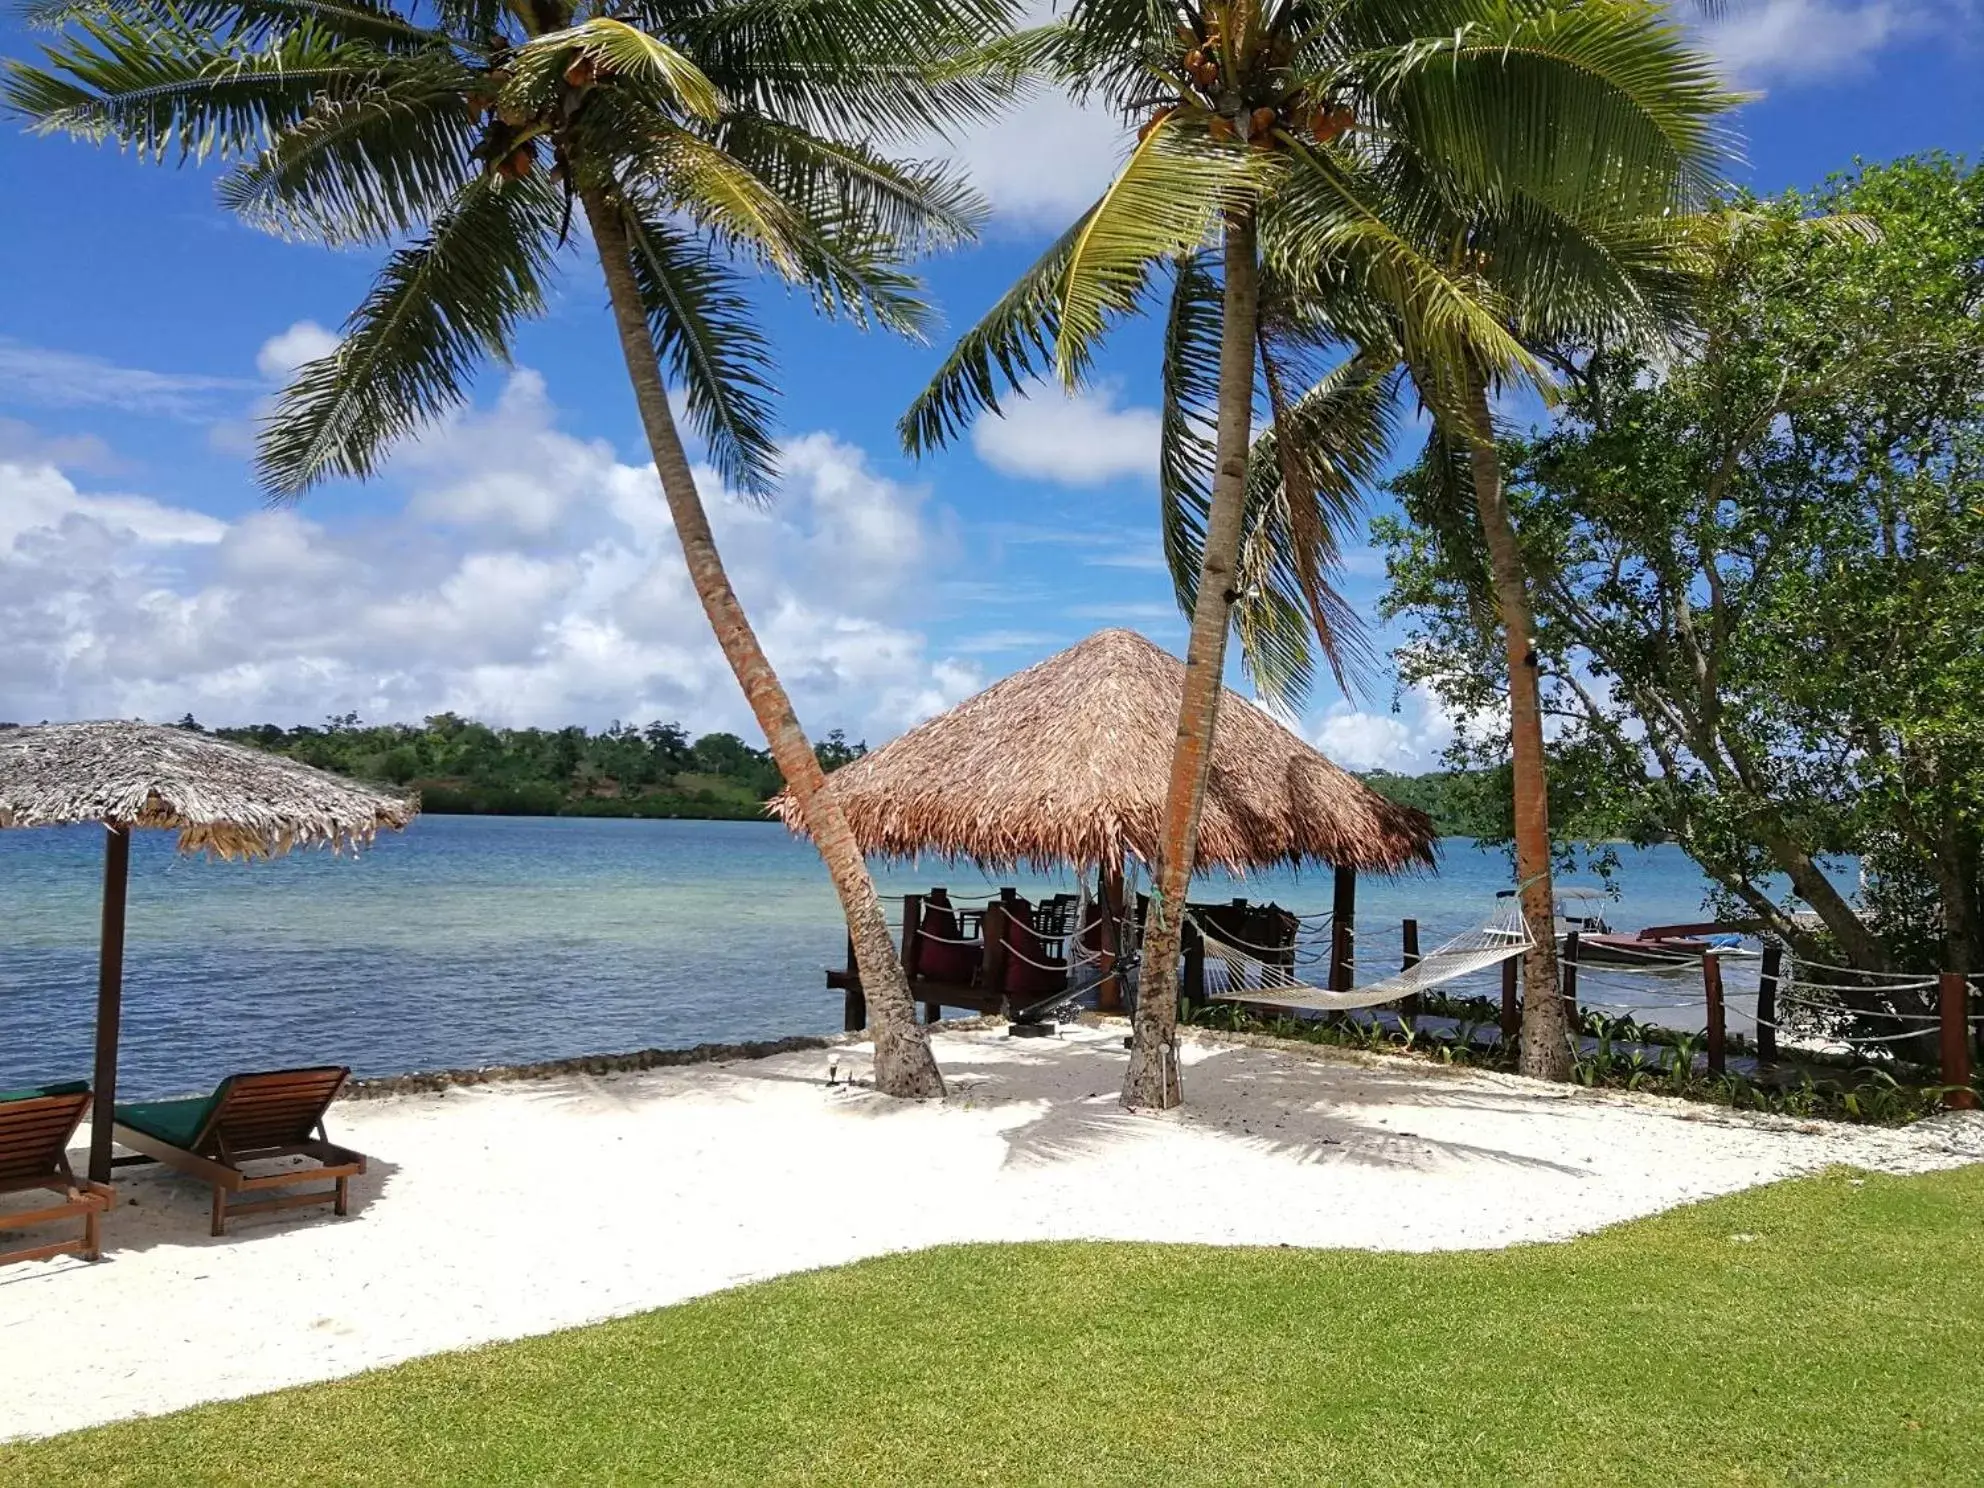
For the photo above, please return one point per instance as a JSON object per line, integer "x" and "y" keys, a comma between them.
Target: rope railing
{"x": 1883, "y": 989}
{"x": 1913, "y": 978}
{"x": 1797, "y": 1001}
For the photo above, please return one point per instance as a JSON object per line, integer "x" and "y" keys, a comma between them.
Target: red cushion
{"x": 942, "y": 959}
{"x": 1023, "y": 948}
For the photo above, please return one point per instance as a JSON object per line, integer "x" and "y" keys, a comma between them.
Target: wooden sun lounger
{"x": 249, "y": 1117}
{"x": 35, "y": 1128}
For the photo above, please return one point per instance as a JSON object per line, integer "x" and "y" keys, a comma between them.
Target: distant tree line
{"x": 1462, "y": 803}
{"x": 460, "y": 766}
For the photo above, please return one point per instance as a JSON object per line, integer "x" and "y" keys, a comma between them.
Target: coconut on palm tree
{"x": 1291, "y": 153}
{"x": 698, "y": 140}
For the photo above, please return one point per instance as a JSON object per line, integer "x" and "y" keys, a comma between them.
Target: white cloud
{"x": 1126, "y": 612}
{"x": 39, "y": 376}
{"x": 284, "y": 352}
{"x": 529, "y": 578}
{"x": 25, "y": 444}
{"x": 1408, "y": 740}
{"x": 1041, "y": 164}
{"x": 1364, "y": 562}
{"x": 42, "y": 504}
{"x": 1144, "y": 554}
{"x": 993, "y": 642}
{"x": 1797, "y": 41}
{"x": 1079, "y": 440}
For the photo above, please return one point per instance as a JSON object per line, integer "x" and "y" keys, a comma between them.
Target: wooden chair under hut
{"x": 1065, "y": 764}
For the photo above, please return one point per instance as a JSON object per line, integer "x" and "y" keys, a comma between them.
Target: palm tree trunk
{"x": 1545, "y": 1052}
{"x": 1153, "y": 1081}
{"x": 904, "y": 1065}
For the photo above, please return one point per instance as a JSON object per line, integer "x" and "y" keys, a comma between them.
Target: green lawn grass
{"x": 1829, "y": 1330}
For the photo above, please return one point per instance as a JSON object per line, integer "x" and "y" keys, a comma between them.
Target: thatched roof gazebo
{"x": 222, "y": 799}
{"x": 1068, "y": 761}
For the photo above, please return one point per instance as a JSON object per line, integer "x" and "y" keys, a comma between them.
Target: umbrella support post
{"x": 109, "y": 997}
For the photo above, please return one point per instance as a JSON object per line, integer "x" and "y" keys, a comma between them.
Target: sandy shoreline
{"x": 499, "y": 1210}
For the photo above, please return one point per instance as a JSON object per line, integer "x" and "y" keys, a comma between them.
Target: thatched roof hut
{"x": 224, "y": 799}
{"x": 1068, "y": 761}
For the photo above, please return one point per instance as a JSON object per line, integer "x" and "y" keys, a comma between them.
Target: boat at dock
{"x": 1578, "y": 913}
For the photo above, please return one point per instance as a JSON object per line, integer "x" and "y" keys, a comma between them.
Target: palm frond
{"x": 1309, "y": 473}
{"x": 1592, "y": 108}
{"x": 1336, "y": 214}
{"x": 632, "y": 57}
{"x": 438, "y": 308}
{"x": 1162, "y": 203}
{"x": 161, "y": 92}
{"x": 852, "y": 69}
{"x": 703, "y": 331}
{"x": 368, "y": 166}
{"x": 920, "y": 207}
{"x": 1324, "y": 451}
{"x": 246, "y": 24}
{"x": 693, "y": 175}
{"x": 1186, "y": 443}
{"x": 1012, "y": 345}
{"x": 849, "y": 267}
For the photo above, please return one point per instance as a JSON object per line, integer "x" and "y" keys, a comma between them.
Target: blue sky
{"x": 515, "y": 563}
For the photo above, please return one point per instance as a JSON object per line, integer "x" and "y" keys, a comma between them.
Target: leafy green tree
{"x": 698, "y": 141}
{"x": 835, "y": 751}
{"x": 1296, "y": 169}
{"x": 1760, "y": 574}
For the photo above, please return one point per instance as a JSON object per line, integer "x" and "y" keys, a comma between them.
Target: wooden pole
{"x": 1109, "y": 991}
{"x": 933, "y": 1012}
{"x": 1717, "y": 1024}
{"x": 1953, "y": 995}
{"x": 1408, "y": 1007}
{"x": 912, "y": 934}
{"x": 853, "y": 1002}
{"x": 1192, "y": 988}
{"x": 1511, "y": 1008}
{"x": 993, "y": 931}
{"x": 1767, "y": 980}
{"x": 1568, "y": 965}
{"x": 1343, "y": 930}
{"x": 109, "y": 997}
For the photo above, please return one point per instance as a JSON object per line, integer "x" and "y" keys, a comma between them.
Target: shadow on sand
{"x": 158, "y": 1207}
{"x": 1063, "y": 1094}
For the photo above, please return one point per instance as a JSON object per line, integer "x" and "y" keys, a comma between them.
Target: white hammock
{"x": 1278, "y": 986}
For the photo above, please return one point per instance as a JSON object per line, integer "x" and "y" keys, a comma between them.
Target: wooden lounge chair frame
{"x": 276, "y": 1114}
{"x": 34, "y": 1142}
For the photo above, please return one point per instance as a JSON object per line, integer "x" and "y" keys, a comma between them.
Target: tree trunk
{"x": 1545, "y": 1051}
{"x": 904, "y": 1065}
{"x": 1152, "y": 1081}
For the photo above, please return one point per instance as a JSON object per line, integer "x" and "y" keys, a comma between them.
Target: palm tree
{"x": 699, "y": 139}
{"x": 1317, "y": 143}
{"x": 1568, "y": 279}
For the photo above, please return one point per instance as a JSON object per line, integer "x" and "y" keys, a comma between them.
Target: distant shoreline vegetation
{"x": 657, "y": 770}
{"x": 1462, "y": 803}
{"x": 464, "y": 768}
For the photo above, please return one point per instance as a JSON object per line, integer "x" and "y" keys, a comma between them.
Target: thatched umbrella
{"x": 1068, "y": 761}
{"x": 222, "y": 799}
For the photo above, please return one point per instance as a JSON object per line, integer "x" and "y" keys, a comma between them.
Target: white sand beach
{"x": 499, "y": 1210}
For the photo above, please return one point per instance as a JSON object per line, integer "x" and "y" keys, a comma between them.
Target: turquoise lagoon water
{"x": 477, "y": 940}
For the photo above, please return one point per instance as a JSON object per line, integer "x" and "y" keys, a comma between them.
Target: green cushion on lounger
{"x": 174, "y": 1121}
{"x": 37, "y": 1092}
